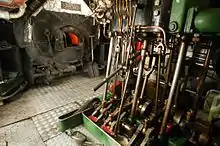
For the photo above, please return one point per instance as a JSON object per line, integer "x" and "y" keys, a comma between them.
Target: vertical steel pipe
{"x": 108, "y": 68}
{"x": 173, "y": 86}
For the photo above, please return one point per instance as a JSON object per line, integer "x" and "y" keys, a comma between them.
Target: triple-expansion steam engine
{"x": 161, "y": 84}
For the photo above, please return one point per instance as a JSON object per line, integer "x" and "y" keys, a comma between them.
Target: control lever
{"x": 114, "y": 73}
{"x": 50, "y": 49}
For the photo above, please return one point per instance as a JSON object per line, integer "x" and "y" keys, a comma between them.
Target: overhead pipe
{"x": 32, "y": 8}
{"x": 7, "y": 15}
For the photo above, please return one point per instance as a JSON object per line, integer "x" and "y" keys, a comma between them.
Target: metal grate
{"x": 47, "y": 123}
{"x": 20, "y": 134}
{"x": 44, "y": 98}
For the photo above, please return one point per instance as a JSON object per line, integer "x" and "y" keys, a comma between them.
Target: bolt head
{"x": 156, "y": 13}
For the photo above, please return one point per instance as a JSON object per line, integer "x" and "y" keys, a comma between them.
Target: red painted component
{"x": 139, "y": 58}
{"x": 138, "y": 46}
{"x": 74, "y": 39}
{"x": 93, "y": 118}
{"x": 112, "y": 87}
{"x": 107, "y": 130}
{"x": 169, "y": 128}
{"x": 11, "y": 3}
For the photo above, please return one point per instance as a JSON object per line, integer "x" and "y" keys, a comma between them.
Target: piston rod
{"x": 108, "y": 68}
{"x": 146, "y": 78}
{"x": 122, "y": 99}
{"x": 140, "y": 72}
{"x": 158, "y": 82}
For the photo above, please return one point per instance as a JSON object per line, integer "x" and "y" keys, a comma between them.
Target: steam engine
{"x": 161, "y": 84}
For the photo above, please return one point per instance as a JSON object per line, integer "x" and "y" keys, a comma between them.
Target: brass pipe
{"x": 130, "y": 13}
{"x": 119, "y": 7}
{"x": 127, "y": 7}
{"x": 131, "y": 32}
{"x": 116, "y": 7}
{"x": 122, "y": 7}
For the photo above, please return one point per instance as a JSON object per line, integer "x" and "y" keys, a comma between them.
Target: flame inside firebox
{"x": 71, "y": 39}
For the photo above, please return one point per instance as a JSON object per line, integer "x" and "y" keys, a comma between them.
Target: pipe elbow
{"x": 19, "y": 14}
{"x": 4, "y": 15}
{"x": 7, "y": 16}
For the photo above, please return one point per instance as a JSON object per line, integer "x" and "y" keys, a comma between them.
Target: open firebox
{"x": 45, "y": 40}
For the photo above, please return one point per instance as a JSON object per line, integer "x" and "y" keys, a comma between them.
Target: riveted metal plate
{"x": 70, "y": 6}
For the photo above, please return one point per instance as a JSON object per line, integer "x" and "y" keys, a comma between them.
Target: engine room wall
{"x": 67, "y": 6}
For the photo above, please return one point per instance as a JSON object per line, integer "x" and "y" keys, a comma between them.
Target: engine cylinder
{"x": 208, "y": 20}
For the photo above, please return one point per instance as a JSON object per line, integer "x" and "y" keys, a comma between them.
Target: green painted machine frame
{"x": 99, "y": 133}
